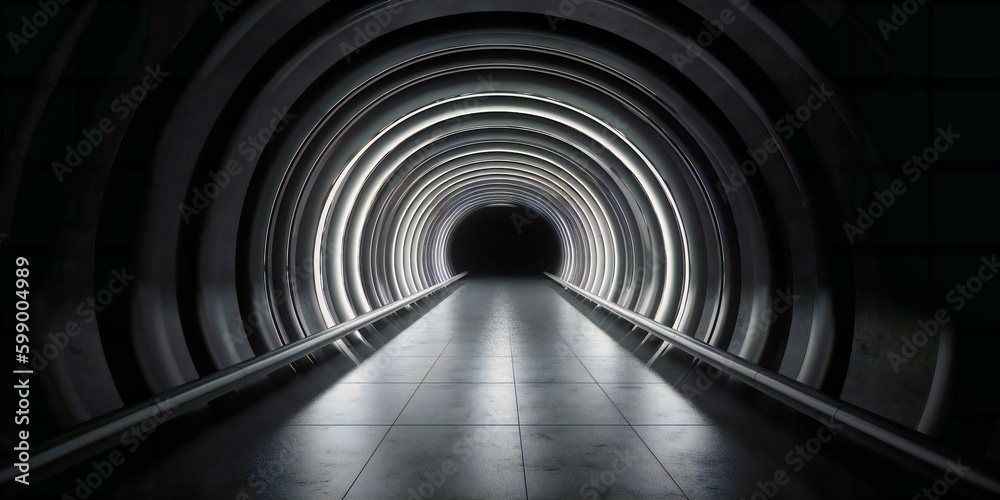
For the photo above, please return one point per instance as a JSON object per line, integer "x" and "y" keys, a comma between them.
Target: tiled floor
{"x": 504, "y": 389}
{"x": 508, "y": 403}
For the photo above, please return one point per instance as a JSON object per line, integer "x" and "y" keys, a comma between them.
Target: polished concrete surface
{"x": 503, "y": 389}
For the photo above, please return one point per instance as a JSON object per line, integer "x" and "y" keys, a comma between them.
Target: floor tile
{"x": 411, "y": 346}
{"x": 619, "y": 369}
{"x": 356, "y": 404}
{"x": 592, "y": 462}
{"x": 599, "y": 348}
{"x": 309, "y": 462}
{"x": 707, "y": 464}
{"x": 385, "y": 367}
{"x": 565, "y": 404}
{"x": 549, "y": 369}
{"x": 471, "y": 369}
{"x": 441, "y": 404}
{"x": 496, "y": 348}
{"x": 462, "y": 462}
{"x": 654, "y": 404}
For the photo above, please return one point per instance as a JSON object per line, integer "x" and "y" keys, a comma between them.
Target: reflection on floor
{"x": 504, "y": 389}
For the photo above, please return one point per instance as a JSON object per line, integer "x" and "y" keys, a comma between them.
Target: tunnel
{"x": 499, "y": 249}
{"x": 505, "y": 240}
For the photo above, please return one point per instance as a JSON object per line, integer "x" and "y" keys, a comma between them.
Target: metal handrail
{"x": 802, "y": 397}
{"x": 173, "y": 402}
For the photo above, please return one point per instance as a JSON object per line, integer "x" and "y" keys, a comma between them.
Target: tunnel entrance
{"x": 508, "y": 240}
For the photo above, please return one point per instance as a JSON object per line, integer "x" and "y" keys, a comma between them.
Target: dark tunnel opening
{"x": 505, "y": 241}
